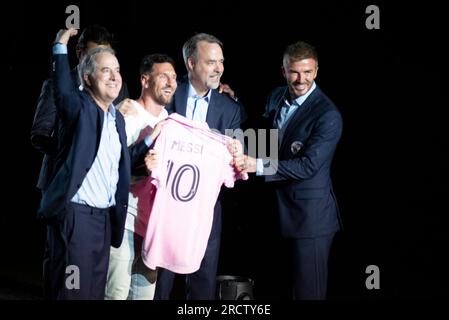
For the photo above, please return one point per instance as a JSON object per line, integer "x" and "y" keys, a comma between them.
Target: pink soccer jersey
{"x": 194, "y": 163}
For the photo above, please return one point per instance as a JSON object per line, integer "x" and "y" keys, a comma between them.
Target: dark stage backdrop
{"x": 390, "y": 169}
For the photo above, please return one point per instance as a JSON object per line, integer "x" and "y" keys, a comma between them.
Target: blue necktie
{"x": 285, "y": 113}
{"x": 197, "y": 98}
{"x": 282, "y": 115}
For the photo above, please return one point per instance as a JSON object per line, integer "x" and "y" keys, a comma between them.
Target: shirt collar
{"x": 112, "y": 110}
{"x": 300, "y": 100}
{"x": 192, "y": 93}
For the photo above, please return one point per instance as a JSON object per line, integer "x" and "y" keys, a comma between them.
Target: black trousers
{"x": 309, "y": 258}
{"x": 77, "y": 254}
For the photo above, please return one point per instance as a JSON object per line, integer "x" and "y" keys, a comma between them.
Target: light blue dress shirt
{"x": 197, "y": 106}
{"x": 100, "y": 184}
{"x": 287, "y": 110}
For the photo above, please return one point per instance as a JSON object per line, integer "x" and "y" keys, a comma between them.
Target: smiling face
{"x": 300, "y": 76}
{"x": 160, "y": 83}
{"x": 206, "y": 69}
{"x": 105, "y": 81}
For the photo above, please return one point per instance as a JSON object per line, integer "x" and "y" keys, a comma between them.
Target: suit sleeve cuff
{"x": 60, "y": 48}
{"x": 259, "y": 167}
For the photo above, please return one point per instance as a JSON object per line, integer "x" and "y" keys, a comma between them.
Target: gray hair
{"x": 89, "y": 62}
{"x": 190, "y": 48}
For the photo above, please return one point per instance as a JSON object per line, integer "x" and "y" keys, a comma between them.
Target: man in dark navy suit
{"x": 197, "y": 98}
{"x": 310, "y": 127}
{"x": 44, "y": 130}
{"x": 86, "y": 200}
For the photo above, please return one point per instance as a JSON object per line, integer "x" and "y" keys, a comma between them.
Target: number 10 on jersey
{"x": 174, "y": 177}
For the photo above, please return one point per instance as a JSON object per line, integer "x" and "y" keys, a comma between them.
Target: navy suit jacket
{"x": 79, "y": 137}
{"x": 306, "y": 202}
{"x": 45, "y": 126}
{"x": 223, "y": 113}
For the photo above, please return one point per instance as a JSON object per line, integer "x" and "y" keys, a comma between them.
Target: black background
{"x": 390, "y": 169}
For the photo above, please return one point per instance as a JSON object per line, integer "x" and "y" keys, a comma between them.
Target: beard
{"x": 214, "y": 84}
{"x": 163, "y": 100}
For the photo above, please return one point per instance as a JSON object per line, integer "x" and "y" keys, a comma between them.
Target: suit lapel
{"x": 213, "y": 111}
{"x": 120, "y": 125}
{"x": 277, "y": 107}
{"x": 181, "y": 99}
{"x": 298, "y": 115}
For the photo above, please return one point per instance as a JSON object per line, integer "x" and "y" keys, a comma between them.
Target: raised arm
{"x": 65, "y": 92}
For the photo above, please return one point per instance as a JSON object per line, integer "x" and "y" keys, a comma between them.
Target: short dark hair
{"x": 95, "y": 33}
{"x": 299, "y": 51}
{"x": 146, "y": 66}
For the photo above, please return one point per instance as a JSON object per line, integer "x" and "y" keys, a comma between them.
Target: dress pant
{"x": 310, "y": 266}
{"x": 77, "y": 253}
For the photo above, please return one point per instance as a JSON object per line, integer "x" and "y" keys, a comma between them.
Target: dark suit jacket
{"x": 79, "y": 137}
{"x": 306, "y": 202}
{"x": 45, "y": 126}
{"x": 223, "y": 113}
